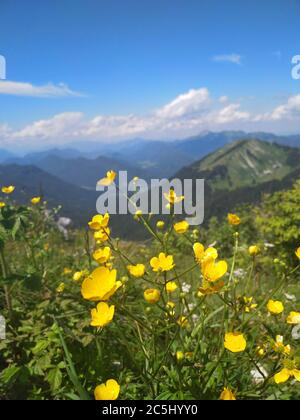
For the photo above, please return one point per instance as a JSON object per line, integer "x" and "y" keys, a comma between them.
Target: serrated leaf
{"x": 40, "y": 346}
{"x": 9, "y": 374}
{"x": 54, "y": 378}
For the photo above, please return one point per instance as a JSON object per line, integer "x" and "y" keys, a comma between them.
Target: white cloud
{"x": 188, "y": 114}
{"x": 231, "y": 113}
{"x": 288, "y": 111}
{"x": 59, "y": 128}
{"x": 8, "y": 87}
{"x": 188, "y": 103}
{"x": 110, "y": 126}
{"x": 230, "y": 58}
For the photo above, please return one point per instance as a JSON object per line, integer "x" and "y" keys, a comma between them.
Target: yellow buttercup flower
{"x": 233, "y": 219}
{"x": 173, "y": 198}
{"x": 179, "y": 355}
{"x": 8, "y": 190}
{"x": 109, "y": 179}
{"x": 249, "y": 305}
{"x": 209, "y": 289}
{"x": 227, "y": 395}
{"x": 102, "y": 255}
{"x": 2, "y": 204}
{"x": 102, "y": 315}
{"x": 60, "y": 288}
{"x": 102, "y": 235}
{"x": 293, "y": 318}
{"x": 67, "y": 271}
{"x": 235, "y": 342}
{"x": 171, "y": 286}
{"x": 108, "y": 391}
{"x": 99, "y": 222}
{"x": 137, "y": 270}
{"x": 298, "y": 253}
{"x": 181, "y": 227}
{"x": 171, "y": 308}
{"x": 100, "y": 285}
{"x": 138, "y": 214}
{"x": 202, "y": 254}
{"x": 285, "y": 374}
{"x": 212, "y": 270}
{"x": 279, "y": 347}
{"x": 275, "y": 307}
{"x": 160, "y": 224}
{"x": 35, "y": 200}
{"x": 260, "y": 351}
{"x": 152, "y": 295}
{"x": 78, "y": 275}
{"x": 162, "y": 263}
{"x": 254, "y": 250}
{"x": 182, "y": 321}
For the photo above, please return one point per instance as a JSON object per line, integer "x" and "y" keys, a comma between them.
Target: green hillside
{"x": 243, "y": 164}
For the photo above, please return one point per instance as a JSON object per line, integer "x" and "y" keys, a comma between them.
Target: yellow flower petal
{"x": 296, "y": 374}
{"x": 137, "y": 270}
{"x": 8, "y": 190}
{"x": 99, "y": 222}
{"x": 253, "y": 250}
{"x": 152, "y": 295}
{"x": 275, "y": 307}
{"x": 233, "y": 219}
{"x": 282, "y": 376}
{"x": 173, "y": 198}
{"x": 102, "y": 315}
{"x": 293, "y": 318}
{"x": 108, "y": 391}
{"x": 227, "y": 395}
{"x": 213, "y": 271}
{"x": 100, "y": 285}
{"x": 109, "y": 179}
{"x": 35, "y": 200}
{"x": 162, "y": 263}
{"x": 235, "y": 342}
{"x": 181, "y": 227}
{"x": 102, "y": 255}
{"x": 171, "y": 286}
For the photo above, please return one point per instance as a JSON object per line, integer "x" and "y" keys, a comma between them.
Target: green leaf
{"x": 9, "y": 374}
{"x": 40, "y": 346}
{"x": 54, "y": 378}
{"x": 72, "y": 396}
{"x": 16, "y": 228}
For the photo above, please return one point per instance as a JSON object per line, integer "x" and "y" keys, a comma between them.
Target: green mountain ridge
{"x": 244, "y": 163}
{"x": 239, "y": 173}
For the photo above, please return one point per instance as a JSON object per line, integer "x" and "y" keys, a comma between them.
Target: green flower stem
{"x": 71, "y": 368}
{"x": 5, "y": 287}
{"x": 265, "y": 301}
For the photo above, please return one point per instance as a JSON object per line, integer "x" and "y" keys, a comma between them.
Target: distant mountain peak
{"x": 243, "y": 163}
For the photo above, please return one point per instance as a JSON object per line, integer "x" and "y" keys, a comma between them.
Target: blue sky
{"x": 132, "y": 59}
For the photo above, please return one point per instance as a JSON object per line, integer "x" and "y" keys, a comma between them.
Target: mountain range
{"x": 151, "y": 158}
{"x": 241, "y": 172}
{"x": 237, "y": 169}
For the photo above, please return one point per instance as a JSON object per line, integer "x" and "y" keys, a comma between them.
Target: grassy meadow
{"x": 209, "y": 312}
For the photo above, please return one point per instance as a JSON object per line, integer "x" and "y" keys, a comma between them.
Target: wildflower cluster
{"x": 179, "y": 316}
